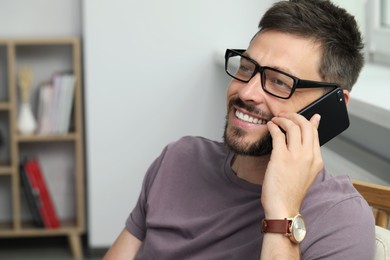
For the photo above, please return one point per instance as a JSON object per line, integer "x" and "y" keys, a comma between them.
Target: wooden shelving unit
{"x": 44, "y": 57}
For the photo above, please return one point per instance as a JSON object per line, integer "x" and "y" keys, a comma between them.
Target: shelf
{"x": 45, "y": 41}
{"x": 46, "y": 138}
{"x": 4, "y": 106}
{"x": 28, "y": 230}
{"x": 5, "y": 170}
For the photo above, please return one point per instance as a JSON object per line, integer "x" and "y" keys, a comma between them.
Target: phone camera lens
{"x": 340, "y": 95}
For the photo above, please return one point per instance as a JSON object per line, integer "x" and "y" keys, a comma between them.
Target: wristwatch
{"x": 294, "y": 228}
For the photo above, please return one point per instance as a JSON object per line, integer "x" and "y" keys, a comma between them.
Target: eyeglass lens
{"x": 273, "y": 81}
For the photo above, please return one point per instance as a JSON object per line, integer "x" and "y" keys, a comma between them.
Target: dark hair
{"x": 331, "y": 26}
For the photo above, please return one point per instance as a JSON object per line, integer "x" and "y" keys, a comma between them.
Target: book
{"x": 55, "y": 104}
{"x": 45, "y": 204}
{"x": 67, "y": 96}
{"x": 45, "y": 97}
{"x": 31, "y": 196}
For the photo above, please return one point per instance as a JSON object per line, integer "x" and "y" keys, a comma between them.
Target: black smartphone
{"x": 334, "y": 115}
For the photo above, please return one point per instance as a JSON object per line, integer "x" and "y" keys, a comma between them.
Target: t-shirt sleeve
{"x": 136, "y": 222}
{"x": 344, "y": 231}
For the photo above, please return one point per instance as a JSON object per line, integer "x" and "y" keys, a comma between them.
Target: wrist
{"x": 280, "y": 213}
{"x": 294, "y": 228}
{"x": 277, "y": 208}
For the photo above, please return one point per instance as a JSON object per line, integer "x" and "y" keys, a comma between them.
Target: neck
{"x": 250, "y": 168}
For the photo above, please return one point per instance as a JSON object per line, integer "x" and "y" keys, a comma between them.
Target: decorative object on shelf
{"x": 26, "y": 121}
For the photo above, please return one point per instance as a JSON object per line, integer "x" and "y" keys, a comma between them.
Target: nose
{"x": 252, "y": 91}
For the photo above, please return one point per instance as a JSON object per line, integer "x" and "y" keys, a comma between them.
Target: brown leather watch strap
{"x": 276, "y": 226}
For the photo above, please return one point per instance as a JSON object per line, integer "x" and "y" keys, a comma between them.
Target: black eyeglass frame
{"x": 298, "y": 83}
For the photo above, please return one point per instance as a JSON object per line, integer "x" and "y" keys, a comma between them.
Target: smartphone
{"x": 334, "y": 115}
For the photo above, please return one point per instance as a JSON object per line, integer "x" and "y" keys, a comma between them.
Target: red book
{"x": 31, "y": 196}
{"x": 46, "y": 206}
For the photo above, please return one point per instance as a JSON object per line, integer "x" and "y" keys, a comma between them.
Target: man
{"x": 206, "y": 200}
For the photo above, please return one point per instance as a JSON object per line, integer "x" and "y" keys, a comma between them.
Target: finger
{"x": 301, "y": 120}
{"x": 293, "y": 131}
{"x": 315, "y": 120}
{"x": 308, "y": 129}
{"x": 278, "y": 137}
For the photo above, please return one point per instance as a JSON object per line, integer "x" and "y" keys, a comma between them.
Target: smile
{"x": 249, "y": 119}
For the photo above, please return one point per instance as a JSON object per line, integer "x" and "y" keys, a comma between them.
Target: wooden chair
{"x": 378, "y": 197}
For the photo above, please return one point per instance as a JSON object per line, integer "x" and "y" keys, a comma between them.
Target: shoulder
{"x": 197, "y": 141}
{"x": 195, "y": 145}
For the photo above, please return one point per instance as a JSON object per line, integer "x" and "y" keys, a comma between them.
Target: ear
{"x": 346, "y": 96}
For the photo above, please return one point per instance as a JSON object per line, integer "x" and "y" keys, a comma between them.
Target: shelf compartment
{"x": 5, "y": 142}
{"x": 57, "y": 161}
{"x": 4, "y": 95}
{"x": 6, "y": 218}
{"x": 44, "y": 60}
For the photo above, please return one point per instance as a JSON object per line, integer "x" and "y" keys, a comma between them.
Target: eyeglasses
{"x": 275, "y": 82}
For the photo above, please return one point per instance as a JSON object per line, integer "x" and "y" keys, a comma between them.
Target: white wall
{"x": 151, "y": 77}
{"x": 34, "y": 18}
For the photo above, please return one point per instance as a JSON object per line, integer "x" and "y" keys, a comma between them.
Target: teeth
{"x": 247, "y": 118}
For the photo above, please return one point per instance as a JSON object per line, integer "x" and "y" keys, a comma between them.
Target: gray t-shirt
{"x": 192, "y": 206}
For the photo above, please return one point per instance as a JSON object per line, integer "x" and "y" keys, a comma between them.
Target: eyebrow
{"x": 285, "y": 70}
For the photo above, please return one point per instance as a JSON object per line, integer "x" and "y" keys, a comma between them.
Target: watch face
{"x": 298, "y": 228}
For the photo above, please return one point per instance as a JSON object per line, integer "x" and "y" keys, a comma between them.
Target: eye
{"x": 277, "y": 80}
{"x": 246, "y": 68}
{"x": 280, "y": 83}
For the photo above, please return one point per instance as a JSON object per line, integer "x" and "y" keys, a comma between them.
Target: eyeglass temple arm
{"x": 238, "y": 51}
{"x": 314, "y": 84}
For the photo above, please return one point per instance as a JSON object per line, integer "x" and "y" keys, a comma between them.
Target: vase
{"x": 26, "y": 120}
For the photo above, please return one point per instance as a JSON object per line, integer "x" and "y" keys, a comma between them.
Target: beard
{"x": 235, "y": 141}
{"x": 234, "y": 138}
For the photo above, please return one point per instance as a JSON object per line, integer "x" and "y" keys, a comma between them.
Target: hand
{"x": 294, "y": 164}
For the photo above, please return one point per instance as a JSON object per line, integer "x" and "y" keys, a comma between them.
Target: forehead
{"x": 295, "y": 55}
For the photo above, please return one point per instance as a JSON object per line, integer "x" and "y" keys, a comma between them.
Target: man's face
{"x": 249, "y": 107}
